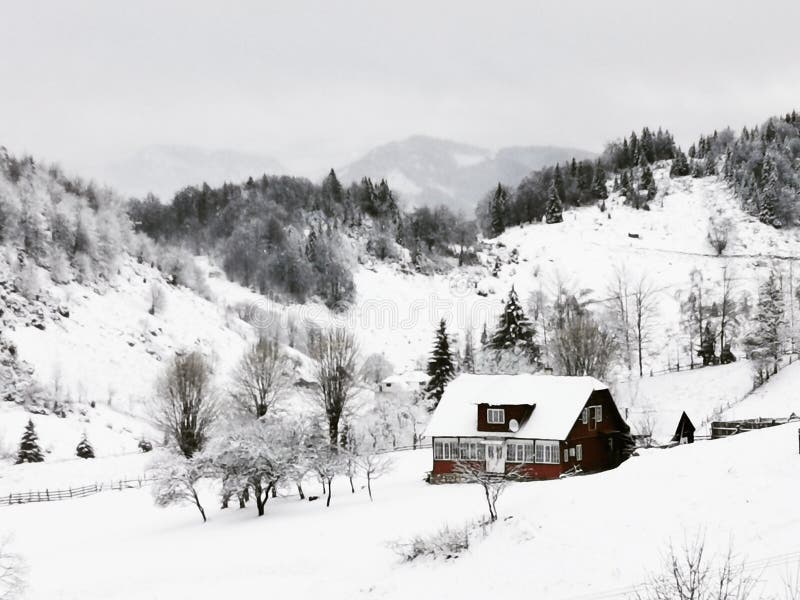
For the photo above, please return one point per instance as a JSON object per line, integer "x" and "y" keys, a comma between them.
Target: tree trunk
{"x": 199, "y": 506}
{"x": 369, "y": 486}
{"x": 352, "y": 488}
{"x": 333, "y": 428}
{"x": 300, "y": 491}
{"x": 328, "y": 503}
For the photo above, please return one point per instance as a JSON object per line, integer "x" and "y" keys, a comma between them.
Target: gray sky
{"x": 315, "y": 83}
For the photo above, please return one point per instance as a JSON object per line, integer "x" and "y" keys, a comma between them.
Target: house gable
{"x": 489, "y": 423}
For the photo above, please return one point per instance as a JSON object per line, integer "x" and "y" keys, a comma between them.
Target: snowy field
{"x": 564, "y": 539}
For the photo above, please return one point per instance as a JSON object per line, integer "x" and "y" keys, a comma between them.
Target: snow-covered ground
{"x": 560, "y": 539}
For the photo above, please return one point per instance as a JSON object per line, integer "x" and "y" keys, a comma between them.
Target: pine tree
{"x": 468, "y": 364}
{"x": 484, "y": 336}
{"x": 497, "y": 210}
{"x": 84, "y": 449}
{"x": 769, "y": 321}
{"x": 680, "y": 165}
{"x": 29, "y": 450}
{"x": 707, "y": 345}
{"x": 554, "y": 211}
{"x": 440, "y": 365}
{"x": 599, "y": 190}
{"x": 514, "y": 330}
{"x": 769, "y": 193}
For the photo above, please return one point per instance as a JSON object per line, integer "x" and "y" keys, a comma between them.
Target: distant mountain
{"x": 164, "y": 170}
{"x": 430, "y": 171}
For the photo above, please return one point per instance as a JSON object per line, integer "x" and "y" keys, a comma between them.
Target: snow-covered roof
{"x": 558, "y": 400}
{"x": 409, "y": 377}
{"x": 661, "y": 423}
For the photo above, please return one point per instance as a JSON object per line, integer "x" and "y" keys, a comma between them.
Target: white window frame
{"x": 585, "y": 416}
{"x": 579, "y": 452}
{"x": 501, "y": 412}
{"x": 598, "y": 413}
{"x": 519, "y": 451}
{"x": 470, "y": 450}
{"x": 548, "y": 452}
{"x": 445, "y": 449}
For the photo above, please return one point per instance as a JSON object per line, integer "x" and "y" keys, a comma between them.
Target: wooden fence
{"x": 721, "y": 429}
{"x": 49, "y": 495}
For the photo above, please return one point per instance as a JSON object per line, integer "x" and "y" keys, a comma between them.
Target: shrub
{"x": 447, "y": 542}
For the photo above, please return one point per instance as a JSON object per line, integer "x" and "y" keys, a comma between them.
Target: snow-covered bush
{"x": 446, "y": 543}
{"x": 176, "y": 477}
{"x": 12, "y": 572}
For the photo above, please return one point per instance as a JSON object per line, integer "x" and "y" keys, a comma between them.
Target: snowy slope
{"x": 110, "y": 352}
{"x": 566, "y": 538}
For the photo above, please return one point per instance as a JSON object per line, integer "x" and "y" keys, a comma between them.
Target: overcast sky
{"x": 315, "y": 83}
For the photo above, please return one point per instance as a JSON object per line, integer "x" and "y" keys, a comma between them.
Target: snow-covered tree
{"x": 497, "y": 210}
{"x": 335, "y": 352}
{"x": 468, "y": 362}
{"x": 514, "y": 330}
{"x": 12, "y": 572}
{"x": 176, "y": 478}
{"x": 373, "y": 464}
{"x": 84, "y": 448}
{"x": 185, "y": 405}
{"x": 262, "y": 377}
{"x": 764, "y": 343}
{"x": 376, "y": 368}
{"x": 553, "y": 213}
{"x": 29, "y": 450}
{"x": 441, "y": 367}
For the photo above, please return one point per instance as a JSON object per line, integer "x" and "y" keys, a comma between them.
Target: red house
{"x": 538, "y": 426}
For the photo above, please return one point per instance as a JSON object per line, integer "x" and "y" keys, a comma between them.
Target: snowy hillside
{"x": 583, "y": 251}
{"x": 130, "y": 547}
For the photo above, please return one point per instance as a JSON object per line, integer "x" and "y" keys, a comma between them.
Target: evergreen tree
{"x": 468, "y": 364}
{"x": 680, "y": 165}
{"x": 497, "y": 210}
{"x": 84, "y": 449}
{"x": 440, "y": 365}
{"x": 554, "y": 207}
{"x": 769, "y": 192}
{"x": 484, "y": 336}
{"x": 514, "y": 330}
{"x": 29, "y": 450}
{"x": 599, "y": 190}
{"x": 707, "y": 345}
{"x": 558, "y": 182}
{"x": 766, "y": 342}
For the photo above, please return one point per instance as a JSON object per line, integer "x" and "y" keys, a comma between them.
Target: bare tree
{"x": 185, "y": 407}
{"x": 719, "y": 231}
{"x": 158, "y": 298}
{"x": 336, "y": 354}
{"x": 176, "y": 477}
{"x": 690, "y": 574}
{"x": 12, "y": 572}
{"x": 620, "y": 301}
{"x": 728, "y": 311}
{"x": 262, "y": 377}
{"x": 583, "y": 347}
{"x": 645, "y": 311}
{"x": 493, "y": 484}
{"x": 373, "y": 464}
{"x": 376, "y": 368}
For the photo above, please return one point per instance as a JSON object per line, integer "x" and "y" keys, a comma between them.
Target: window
{"x": 598, "y": 413}
{"x": 566, "y": 455}
{"x": 471, "y": 450}
{"x": 585, "y": 416}
{"x": 579, "y": 452}
{"x": 495, "y": 416}
{"x": 547, "y": 452}
{"x": 519, "y": 452}
{"x": 445, "y": 450}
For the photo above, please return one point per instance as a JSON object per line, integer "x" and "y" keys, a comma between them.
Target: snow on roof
{"x": 558, "y": 400}
{"x": 409, "y": 377}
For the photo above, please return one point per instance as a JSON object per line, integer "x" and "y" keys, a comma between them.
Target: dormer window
{"x": 495, "y": 416}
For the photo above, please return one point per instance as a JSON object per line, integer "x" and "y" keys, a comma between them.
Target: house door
{"x": 495, "y": 457}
